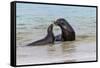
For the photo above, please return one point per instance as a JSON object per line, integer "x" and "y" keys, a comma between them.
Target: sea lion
{"x": 68, "y": 33}
{"x": 49, "y": 39}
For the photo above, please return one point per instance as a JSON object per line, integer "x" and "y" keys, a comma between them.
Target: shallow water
{"x": 79, "y": 50}
{"x": 32, "y": 23}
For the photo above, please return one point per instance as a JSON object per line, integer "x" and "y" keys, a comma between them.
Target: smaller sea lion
{"x": 49, "y": 39}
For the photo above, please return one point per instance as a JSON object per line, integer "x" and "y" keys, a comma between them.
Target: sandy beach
{"x": 59, "y": 52}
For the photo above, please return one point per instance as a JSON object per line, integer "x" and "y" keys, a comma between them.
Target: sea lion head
{"x": 64, "y": 24}
{"x": 61, "y": 22}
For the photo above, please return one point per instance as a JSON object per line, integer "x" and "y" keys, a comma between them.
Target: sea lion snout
{"x": 55, "y": 23}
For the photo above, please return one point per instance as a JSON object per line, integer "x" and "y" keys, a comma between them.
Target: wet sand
{"x": 73, "y": 51}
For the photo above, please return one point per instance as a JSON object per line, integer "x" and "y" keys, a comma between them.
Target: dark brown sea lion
{"x": 68, "y": 33}
{"x": 49, "y": 39}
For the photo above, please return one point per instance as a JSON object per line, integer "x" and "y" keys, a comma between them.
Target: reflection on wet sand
{"x": 61, "y": 49}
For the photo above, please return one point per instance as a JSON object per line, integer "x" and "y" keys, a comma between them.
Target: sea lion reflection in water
{"x": 49, "y": 39}
{"x": 68, "y": 33}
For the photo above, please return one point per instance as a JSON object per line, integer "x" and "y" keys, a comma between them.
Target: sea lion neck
{"x": 50, "y": 28}
{"x": 49, "y": 32}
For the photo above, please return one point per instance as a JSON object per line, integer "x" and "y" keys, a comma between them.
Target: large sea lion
{"x": 68, "y": 33}
{"x": 49, "y": 39}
